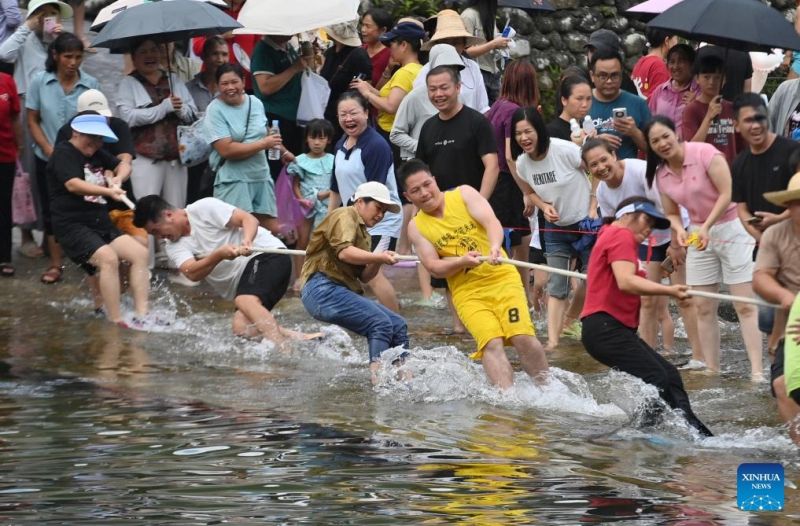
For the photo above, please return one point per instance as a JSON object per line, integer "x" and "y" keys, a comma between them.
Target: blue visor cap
{"x": 93, "y": 125}
{"x": 404, "y": 30}
{"x": 660, "y": 222}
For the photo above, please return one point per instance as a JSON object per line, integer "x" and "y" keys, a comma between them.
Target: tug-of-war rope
{"x": 545, "y": 268}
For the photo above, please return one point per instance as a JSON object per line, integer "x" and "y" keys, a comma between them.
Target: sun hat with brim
{"x": 660, "y": 221}
{"x": 445, "y": 55}
{"x": 450, "y": 25}
{"x": 406, "y": 30}
{"x": 93, "y": 125}
{"x": 345, "y": 33}
{"x": 65, "y": 9}
{"x": 792, "y": 192}
{"x": 377, "y": 192}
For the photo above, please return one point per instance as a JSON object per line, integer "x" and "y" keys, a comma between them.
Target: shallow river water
{"x": 189, "y": 426}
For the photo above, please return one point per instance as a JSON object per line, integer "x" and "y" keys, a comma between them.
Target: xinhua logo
{"x": 759, "y": 487}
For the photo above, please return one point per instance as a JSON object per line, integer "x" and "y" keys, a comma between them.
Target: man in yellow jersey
{"x": 450, "y": 232}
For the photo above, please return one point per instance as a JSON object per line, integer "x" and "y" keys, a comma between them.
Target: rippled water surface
{"x": 189, "y": 426}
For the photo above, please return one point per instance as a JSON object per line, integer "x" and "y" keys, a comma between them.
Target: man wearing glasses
{"x": 618, "y": 115}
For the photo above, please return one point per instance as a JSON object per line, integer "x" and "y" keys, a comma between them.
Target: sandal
{"x": 7, "y": 270}
{"x": 52, "y": 275}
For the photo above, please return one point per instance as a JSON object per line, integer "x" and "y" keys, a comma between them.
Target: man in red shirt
{"x": 651, "y": 70}
{"x": 610, "y": 314}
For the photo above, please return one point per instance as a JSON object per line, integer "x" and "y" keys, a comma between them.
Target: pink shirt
{"x": 693, "y": 189}
{"x": 667, "y": 101}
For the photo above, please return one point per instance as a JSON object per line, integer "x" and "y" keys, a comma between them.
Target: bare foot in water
{"x": 301, "y": 336}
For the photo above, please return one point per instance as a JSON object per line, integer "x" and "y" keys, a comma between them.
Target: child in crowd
{"x": 312, "y": 173}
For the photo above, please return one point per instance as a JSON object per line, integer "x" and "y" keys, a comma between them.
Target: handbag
{"x": 314, "y": 93}
{"x": 193, "y": 147}
{"x": 23, "y": 211}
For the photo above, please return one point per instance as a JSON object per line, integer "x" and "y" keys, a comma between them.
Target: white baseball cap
{"x": 377, "y": 192}
{"x": 94, "y": 100}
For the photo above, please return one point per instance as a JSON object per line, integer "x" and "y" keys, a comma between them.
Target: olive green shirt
{"x": 342, "y": 228}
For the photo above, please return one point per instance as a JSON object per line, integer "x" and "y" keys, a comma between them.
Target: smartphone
{"x": 755, "y": 219}
{"x": 360, "y": 76}
{"x": 49, "y": 24}
{"x": 619, "y": 113}
{"x": 667, "y": 265}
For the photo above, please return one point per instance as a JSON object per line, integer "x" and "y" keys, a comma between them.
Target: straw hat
{"x": 792, "y": 192}
{"x": 345, "y": 33}
{"x": 450, "y": 25}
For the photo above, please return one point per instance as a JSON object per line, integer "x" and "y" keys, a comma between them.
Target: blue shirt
{"x": 224, "y": 121}
{"x": 55, "y": 107}
{"x": 369, "y": 160}
{"x": 636, "y": 107}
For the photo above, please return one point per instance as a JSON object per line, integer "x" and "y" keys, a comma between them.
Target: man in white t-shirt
{"x": 213, "y": 240}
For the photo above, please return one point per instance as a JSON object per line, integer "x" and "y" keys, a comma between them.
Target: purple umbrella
{"x": 648, "y": 10}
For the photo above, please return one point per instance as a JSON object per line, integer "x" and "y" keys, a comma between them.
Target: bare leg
{"x": 133, "y": 252}
{"x": 648, "y": 318}
{"x": 384, "y": 291}
{"x": 688, "y": 311}
{"x": 666, "y": 324}
{"x": 403, "y": 244}
{"x": 458, "y": 326}
{"x": 94, "y": 289}
{"x": 424, "y": 278}
{"x": 788, "y": 409}
{"x": 259, "y": 317}
{"x": 520, "y": 253}
{"x": 242, "y": 327}
{"x": 107, "y": 263}
{"x": 496, "y": 364}
{"x": 708, "y": 327}
{"x": 532, "y": 357}
{"x": 303, "y": 235}
{"x": 540, "y": 278}
{"x": 576, "y": 305}
{"x": 748, "y": 324}
{"x": 555, "y": 320}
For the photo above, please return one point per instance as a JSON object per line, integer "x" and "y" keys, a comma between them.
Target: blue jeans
{"x": 558, "y": 251}
{"x": 332, "y": 302}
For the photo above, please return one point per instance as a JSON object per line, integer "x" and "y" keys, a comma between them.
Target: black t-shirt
{"x": 767, "y": 172}
{"x": 453, "y": 148}
{"x": 123, "y": 145}
{"x": 339, "y": 70}
{"x": 67, "y": 163}
{"x": 738, "y": 68}
{"x": 559, "y": 128}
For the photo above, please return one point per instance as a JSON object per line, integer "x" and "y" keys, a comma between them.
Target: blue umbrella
{"x": 163, "y": 21}
{"x": 747, "y": 25}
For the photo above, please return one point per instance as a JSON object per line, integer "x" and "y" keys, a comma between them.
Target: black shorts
{"x": 658, "y": 254}
{"x": 81, "y": 241}
{"x": 776, "y": 371}
{"x": 536, "y": 255}
{"x": 389, "y": 243}
{"x": 508, "y": 205}
{"x": 266, "y": 276}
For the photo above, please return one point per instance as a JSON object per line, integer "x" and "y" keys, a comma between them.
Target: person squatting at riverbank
{"x": 213, "y": 240}
{"x": 450, "y": 232}
{"x": 339, "y": 260}
{"x": 610, "y": 314}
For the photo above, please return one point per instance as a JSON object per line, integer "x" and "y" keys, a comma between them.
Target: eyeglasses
{"x": 605, "y": 77}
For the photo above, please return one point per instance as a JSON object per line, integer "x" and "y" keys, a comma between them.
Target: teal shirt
{"x": 269, "y": 59}
{"x": 223, "y": 121}
{"x": 55, "y": 107}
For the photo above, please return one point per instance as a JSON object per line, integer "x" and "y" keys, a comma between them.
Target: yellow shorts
{"x": 123, "y": 220}
{"x": 499, "y": 311}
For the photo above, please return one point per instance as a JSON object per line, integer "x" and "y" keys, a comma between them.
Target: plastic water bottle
{"x": 274, "y": 153}
{"x": 574, "y": 129}
{"x": 588, "y": 125}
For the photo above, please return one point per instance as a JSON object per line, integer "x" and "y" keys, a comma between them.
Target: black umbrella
{"x": 527, "y": 5}
{"x": 163, "y": 22}
{"x": 747, "y": 25}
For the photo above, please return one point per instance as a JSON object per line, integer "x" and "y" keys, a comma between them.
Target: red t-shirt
{"x": 721, "y": 133}
{"x": 649, "y": 73}
{"x": 9, "y": 111}
{"x": 379, "y": 62}
{"x": 602, "y": 292}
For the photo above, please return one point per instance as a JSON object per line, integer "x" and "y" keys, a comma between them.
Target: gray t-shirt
{"x": 559, "y": 180}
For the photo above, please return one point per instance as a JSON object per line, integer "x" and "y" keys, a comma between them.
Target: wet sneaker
{"x": 693, "y": 365}
{"x": 574, "y": 330}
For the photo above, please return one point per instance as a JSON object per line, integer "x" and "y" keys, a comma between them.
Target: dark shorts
{"x": 266, "y": 276}
{"x": 508, "y": 205}
{"x": 81, "y": 241}
{"x": 658, "y": 254}
{"x": 390, "y": 243}
{"x": 776, "y": 371}
{"x": 536, "y": 255}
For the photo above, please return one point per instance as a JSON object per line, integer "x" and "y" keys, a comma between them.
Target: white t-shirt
{"x": 559, "y": 180}
{"x": 208, "y": 219}
{"x": 634, "y": 183}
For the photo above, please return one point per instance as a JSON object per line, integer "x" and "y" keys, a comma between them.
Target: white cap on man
{"x": 377, "y": 192}
{"x": 94, "y": 100}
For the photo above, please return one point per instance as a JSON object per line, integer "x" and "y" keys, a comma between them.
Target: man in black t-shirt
{"x": 457, "y": 143}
